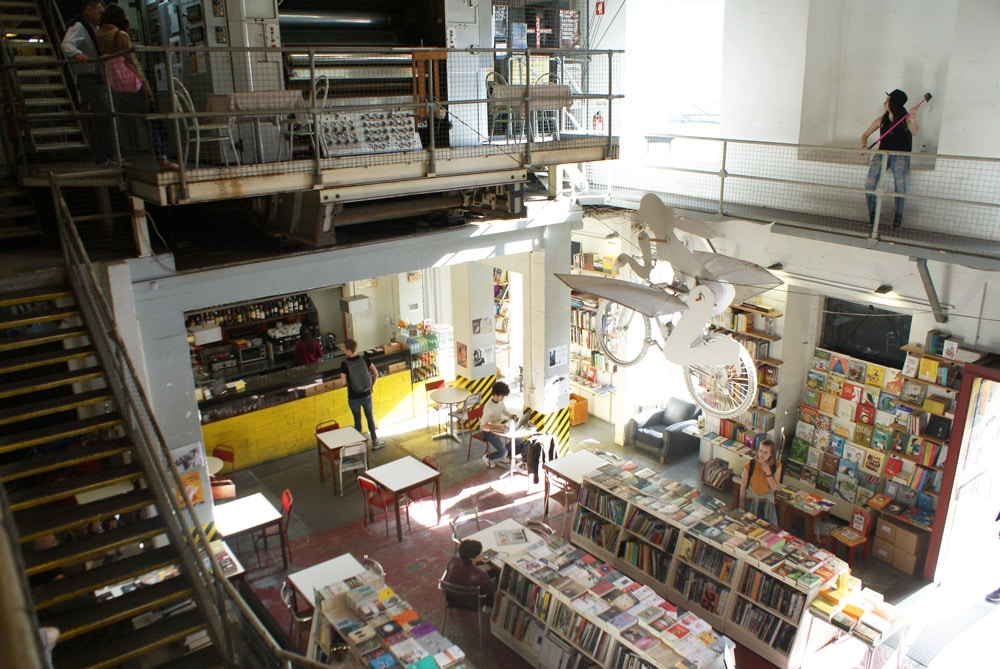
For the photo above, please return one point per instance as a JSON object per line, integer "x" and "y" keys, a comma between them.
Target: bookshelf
{"x": 501, "y": 305}
{"x": 745, "y": 578}
{"x": 559, "y": 606}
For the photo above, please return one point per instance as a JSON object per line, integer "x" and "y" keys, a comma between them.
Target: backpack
{"x": 359, "y": 379}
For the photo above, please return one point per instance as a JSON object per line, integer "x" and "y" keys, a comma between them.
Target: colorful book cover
{"x": 837, "y": 442}
{"x": 805, "y": 431}
{"x": 799, "y": 450}
{"x": 821, "y": 439}
{"x": 838, "y": 365}
{"x": 864, "y": 413}
{"x": 854, "y": 454}
{"x": 916, "y": 447}
{"x": 821, "y": 360}
{"x": 893, "y": 467}
{"x": 863, "y": 434}
{"x": 792, "y": 469}
{"x": 887, "y": 402}
{"x": 880, "y": 437}
{"x": 828, "y": 403}
{"x": 844, "y": 427}
{"x": 846, "y": 488}
{"x": 829, "y": 463}
{"x": 824, "y": 422}
{"x": 910, "y": 366}
{"x": 811, "y": 398}
{"x": 863, "y": 495}
{"x": 913, "y": 392}
{"x": 856, "y": 371}
{"x": 885, "y": 418}
{"x": 835, "y": 384}
{"x": 869, "y": 395}
{"x": 808, "y": 476}
{"x": 847, "y": 469}
{"x": 927, "y": 370}
{"x": 898, "y": 441}
{"x": 815, "y": 380}
{"x": 851, "y": 392}
{"x": 824, "y": 482}
{"x": 807, "y": 415}
{"x": 874, "y": 375}
{"x": 893, "y": 383}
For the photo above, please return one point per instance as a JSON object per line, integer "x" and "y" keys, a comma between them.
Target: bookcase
{"x": 560, "y": 607}
{"x": 501, "y": 305}
{"x": 746, "y": 578}
{"x": 592, "y": 374}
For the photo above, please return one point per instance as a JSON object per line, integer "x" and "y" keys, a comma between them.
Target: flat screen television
{"x": 865, "y": 331}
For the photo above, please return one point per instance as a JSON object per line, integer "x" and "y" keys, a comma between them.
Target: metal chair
{"x": 309, "y": 125}
{"x": 321, "y": 450}
{"x": 281, "y": 530}
{"x": 196, "y": 130}
{"x": 297, "y": 621}
{"x": 223, "y": 489}
{"x": 461, "y": 412}
{"x": 465, "y": 518}
{"x": 471, "y": 417}
{"x": 375, "y": 567}
{"x": 502, "y": 108}
{"x": 228, "y": 456}
{"x": 462, "y": 598}
{"x": 613, "y": 458}
{"x": 352, "y": 458}
{"x": 429, "y": 387}
{"x": 378, "y": 497}
{"x": 538, "y": 526}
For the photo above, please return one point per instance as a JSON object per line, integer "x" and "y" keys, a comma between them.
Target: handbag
{"x": 122, "y": 76}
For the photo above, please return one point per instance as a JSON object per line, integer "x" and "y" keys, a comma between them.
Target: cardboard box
{"x": 885, "y": 531}
{"x": 579, "y": 409}
{"x": 392, "y": 347}
{"x": 883, "y": 550}
{"x": 909, "y": 541}
{"x": 907, "y": 562}
{"x": 396, "y": 367}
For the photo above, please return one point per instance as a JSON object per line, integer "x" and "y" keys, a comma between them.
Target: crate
{"x": 579, "y": 409}
{"x": 392, "y": 347}
{"x": 396, "y": 367}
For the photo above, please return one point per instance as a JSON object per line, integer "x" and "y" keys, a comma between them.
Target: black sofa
{"x": 662, "y": 430}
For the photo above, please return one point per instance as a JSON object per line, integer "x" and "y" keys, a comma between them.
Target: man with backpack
{"x": 359, "y": 374}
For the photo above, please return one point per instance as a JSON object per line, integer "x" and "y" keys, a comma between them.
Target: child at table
{"x": 761, "y": 477}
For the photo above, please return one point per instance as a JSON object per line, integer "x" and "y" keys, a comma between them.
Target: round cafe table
{"x": 214, "y": 464}
{"x": 449, "y": 396}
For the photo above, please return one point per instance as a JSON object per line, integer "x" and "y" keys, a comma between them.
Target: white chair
{"x": 462, "y": 519}
{"x": 197, "y": 131}
{"x": 501, "y": 108}
{"x": 538, "y": 526}
{"x": 352, "y": 458}
{"x": 374, "y": 567}
{"x": 297, "y": 622}
{"x": 310, "y": 123}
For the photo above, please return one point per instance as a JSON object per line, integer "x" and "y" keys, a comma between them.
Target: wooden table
{"x": 787, "y": 511}
{"x": 402, "y": 475}
{"x": 330, "y": 442}
{"x": 308, "y": 581}
{"x": 449, "y": 396}
{"x": 488, "y": 538}
{"x": 245, "y": 515}
{"x": 570, "y": 470}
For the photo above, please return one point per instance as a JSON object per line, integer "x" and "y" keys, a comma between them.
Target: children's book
{"x": 863, "y": 434}
{"x": 838, "y": 365}
{"x": 834, "y": 385}
{"x": 816, "y": 380}
{"x": 824, "y": 482}
{"x": 811, "y": 398}
{"x": 821, "y": 360}
{"x": 893, "y": 383}
{"x": 856, "y": 371}
{"x": 874, "y": 375}
{"x": 887, "y": 402}
{"x": 827, "y": 403}
{"x": 880, "y": 437}
{"x": 851, "y": 392}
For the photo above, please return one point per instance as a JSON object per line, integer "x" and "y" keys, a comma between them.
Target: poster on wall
{"x": 519, "y": 35}
{"x": 461, "y": 354}
{"x": 558, "y": 355}
{"x": 190, "y": 457}
{"x": 192, "y": 487}
{"x": 482, "y": 356}
{"x": 500, "y": 16}
{"x": 569, "y": 29}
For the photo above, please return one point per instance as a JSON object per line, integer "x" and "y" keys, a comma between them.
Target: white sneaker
{"x": 505, "y": 461}
{"x": 489, "y": 463}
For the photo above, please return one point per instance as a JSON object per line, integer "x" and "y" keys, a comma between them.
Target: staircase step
{"x": 17, "y": 211}
{"x": 102, "y": 614}
{"x": 93, "y": 546}
{"x": 45, "y": 294}
{"x": 19, "y": 231}
{"x": 60, "y": 146}
{"x": 111, "y": 573}
{"x": 46, "y": 315}
{"x": 43, "y": 435}
{"x": 65, "y": 488}
{"x": 90, "y": 655}
{"x": 54, "y": 405}
{"x": 46, "y": 381}
{"x": 55, "y": 130}
{"x": 206, "y": 658}
{"x": 71, "y": 456}
{"x": 47, "y": 358}
{"x": 33, "y": 339}
{"x": 35, "y": 523}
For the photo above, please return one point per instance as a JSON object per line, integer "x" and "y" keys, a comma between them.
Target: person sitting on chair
{"x": 464, "y": 569}
{"x": 494, "y": 424}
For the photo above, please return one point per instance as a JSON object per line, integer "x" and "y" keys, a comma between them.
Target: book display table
{"x": 750, "y": 580}
{"x": 378, "y": 627}
{"x": 875, "y": 628}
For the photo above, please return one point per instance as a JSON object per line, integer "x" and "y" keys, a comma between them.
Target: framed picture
{"x": 194, "y": 14}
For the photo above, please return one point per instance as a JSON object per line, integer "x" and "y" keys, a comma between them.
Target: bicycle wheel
{"x": 623, "y": 335}
{"x": 722, "y": 390}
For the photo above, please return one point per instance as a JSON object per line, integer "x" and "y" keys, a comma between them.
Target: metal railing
{"x": 951, "y": 203}
{"x": 237, "y": 633}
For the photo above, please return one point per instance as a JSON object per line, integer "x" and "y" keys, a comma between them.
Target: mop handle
{"x": 927, "y": 97}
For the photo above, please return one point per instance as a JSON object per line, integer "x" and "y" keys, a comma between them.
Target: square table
{"x": 402, "y": 475}
{"x": 248, "y": 514}
{"x": 332, "y": 441}
{"x": 570, "y": 469}
{"x": 308, "y": 581}
{"x": 488, "y": 538}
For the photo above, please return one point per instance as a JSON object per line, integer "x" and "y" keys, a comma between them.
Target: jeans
{"x": 356, "y": 406}
{"x": 499, "y": 444}
{"x": 94, "y": 94}
{"x": 900, "y": 167}
{"x": 761, "y": 506}
{"x": 130, "y": 127}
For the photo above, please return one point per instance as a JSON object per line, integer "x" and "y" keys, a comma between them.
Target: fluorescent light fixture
{"x": 883, "y": 289}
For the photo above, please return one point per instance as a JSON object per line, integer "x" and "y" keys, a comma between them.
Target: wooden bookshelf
{"x": 697, "y": 552}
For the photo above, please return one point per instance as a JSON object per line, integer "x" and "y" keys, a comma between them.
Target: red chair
{"x": 322, "y": 451}
{"x": 223, "y": 489}
{"x": 474, "y": 415}
{"x": 377, "y": 497}
{"x": 429, "y": 387}
{"x": 280, "y": 530}
{"x": 228, "y": 456}
{"x": 421, "y": 492}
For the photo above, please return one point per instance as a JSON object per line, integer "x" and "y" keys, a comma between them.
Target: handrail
{"x": 20, "y": 645}
{"x": 213, "y": 592}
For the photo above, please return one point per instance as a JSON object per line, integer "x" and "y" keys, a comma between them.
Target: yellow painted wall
{"x": 269, "y": 434}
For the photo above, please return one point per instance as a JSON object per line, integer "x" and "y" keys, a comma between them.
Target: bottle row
{"x": 250, "y": 312}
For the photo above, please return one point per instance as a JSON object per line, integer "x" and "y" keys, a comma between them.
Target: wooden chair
{"x": 228, "y": 456}
{"x": 463, "y": 598}
{"x": 429, "y": 387}
{"x": 472, "y": 418}
{"x": 280, "y": 530}
{"x": 855, "y": 534}
{"x": 321, "y": 450}
{"x": 297, "y": 622}
{"x": 378, "y": 498}
{"x": 352, "y": 458}
{"x": 223, "y": 489}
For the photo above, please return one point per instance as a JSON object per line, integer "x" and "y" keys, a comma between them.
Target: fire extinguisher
{"x": 597, "y": 123}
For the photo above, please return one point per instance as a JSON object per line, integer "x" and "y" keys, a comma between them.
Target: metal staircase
{"x": 81, "y": 500}
{"x": 36, "y": 86}
{"x": 17, "y": 212}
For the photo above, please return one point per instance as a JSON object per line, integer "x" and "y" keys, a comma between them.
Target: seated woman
{"x": 761, "y": 477}
{"x": 464, "y": 569}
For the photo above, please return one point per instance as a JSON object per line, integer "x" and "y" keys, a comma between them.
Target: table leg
{"x": 399, "y": 528}
{"x": 437, "y": 496}
{"x": 281, "y": 540}
{"x": 447, "y": 434}
{"x": 545, "y": 508}
{"x": 319, "y": 454}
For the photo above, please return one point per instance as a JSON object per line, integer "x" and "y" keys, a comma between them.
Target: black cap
{"x": 897, "y": 96}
